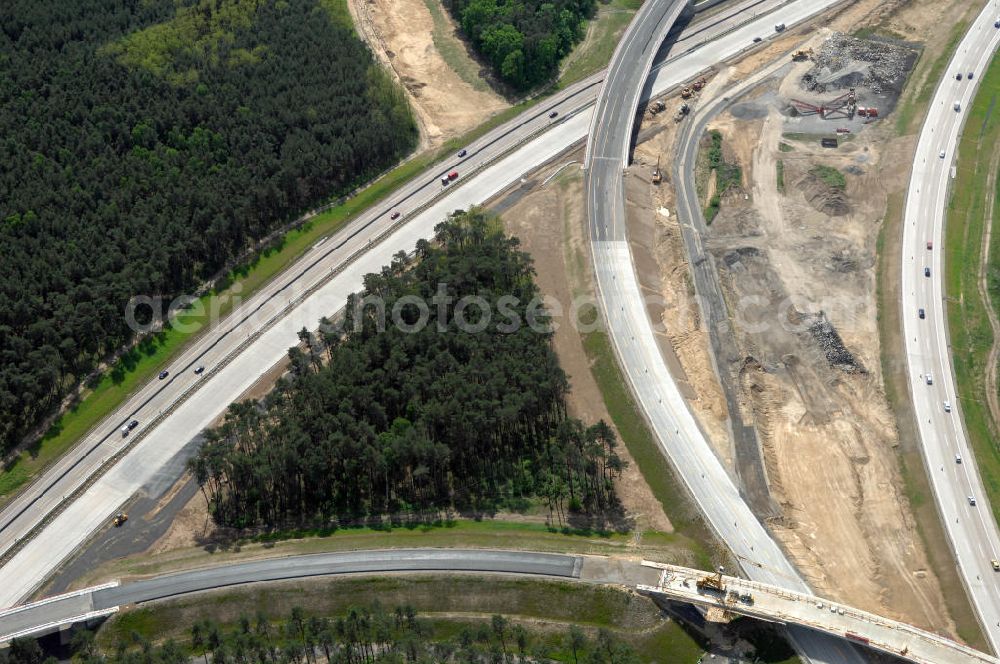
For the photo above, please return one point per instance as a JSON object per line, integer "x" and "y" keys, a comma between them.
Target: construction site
{"x": 799, "y": 184}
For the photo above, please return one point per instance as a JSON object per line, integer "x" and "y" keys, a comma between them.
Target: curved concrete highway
{"x": 971, "y": 529}
{"x": 25, "y": 512}
{"x": 57, "y": 514}
{"x": 635, "y": 343}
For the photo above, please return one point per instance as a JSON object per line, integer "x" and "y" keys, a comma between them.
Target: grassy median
{"x": 974, "y": 204}
{"x": 637, "y": 437}
{"x": 545, "y": 607}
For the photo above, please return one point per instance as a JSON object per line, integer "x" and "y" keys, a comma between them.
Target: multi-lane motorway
{"x": 971, "y": 528}
{"x": 60, "y": 510}
{"x": 635, "y": 343}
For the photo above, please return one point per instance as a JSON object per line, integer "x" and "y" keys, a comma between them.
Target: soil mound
{"x": 825, "y": 334}
{"x": 830, "y": 200}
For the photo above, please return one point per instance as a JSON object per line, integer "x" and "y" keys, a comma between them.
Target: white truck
{"x": 957, "y": 106}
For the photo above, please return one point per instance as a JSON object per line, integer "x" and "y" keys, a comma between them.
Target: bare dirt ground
{"x": 400, "y": 33}
{"x": 550, "y": 222}
{"x": 680, "y": 318}
{"x": 805, "y": 260}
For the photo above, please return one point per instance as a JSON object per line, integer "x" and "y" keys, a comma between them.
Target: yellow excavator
{"x": 120, "y": 519}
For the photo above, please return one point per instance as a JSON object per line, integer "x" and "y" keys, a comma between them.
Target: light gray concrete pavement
{"x": 766, "y": 602}
{"x": 971, "y": 529}
{"x": 611, "y": 123}
{"x": 258, "y": 334}
{"x": 48, "y": 615}
{"x": 631, "y": 331}
{"x": 26, "y": 511}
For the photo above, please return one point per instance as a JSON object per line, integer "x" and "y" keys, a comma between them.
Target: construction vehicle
{"x": 681, "y": 112}
{"x": 711, "y": 582}
{"x": 657, "y": 176}
{"x": 657, "y": 107}
{"x": 867, "y": 112}
{"x": 686, "y": 92}
{"x": 120, "y": 518}
{"x": 699, "y": 84}
{"x": 802, "y": 54}
{"x": 840, "y": 107}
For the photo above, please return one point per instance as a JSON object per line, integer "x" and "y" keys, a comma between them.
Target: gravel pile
{"x": 832, "y": 345}
{"x": 846, "y": 62}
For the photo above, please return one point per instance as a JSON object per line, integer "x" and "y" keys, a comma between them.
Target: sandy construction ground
{"x": 654, "y": 232}
{"x": 799, "y": 264}
{"x": 550, "y": 221}
{"x": 829, "y": 437}
{"x": 402, "y": 35}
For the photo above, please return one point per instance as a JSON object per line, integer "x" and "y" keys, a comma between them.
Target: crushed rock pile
{"x": 845, "y": 62}
{"x": 823, "y": 332}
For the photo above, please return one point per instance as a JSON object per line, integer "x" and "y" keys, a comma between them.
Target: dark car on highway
{"x": 164, "y": 374}
{"x": 133, "y": 424}
{"x": 553, "y": 114}
{"x": 199, "y": 370}
{"x": 462, "y": 153}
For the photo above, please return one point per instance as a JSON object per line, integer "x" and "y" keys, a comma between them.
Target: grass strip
{"x": 140, "y": 364}
{"x": 912, "y": 108}
{"x": 545, "y": 607}
{"x": 968, "y": 321}
{"x": 594, "y": 52}
{"x": 636, "y": 436}
{"x": 485, "y": 533}
{"x": 452, "y": 48}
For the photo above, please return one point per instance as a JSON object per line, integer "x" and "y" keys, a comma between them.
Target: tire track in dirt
{"x": 990, "y": 378}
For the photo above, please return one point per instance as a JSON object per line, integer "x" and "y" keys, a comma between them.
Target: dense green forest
{"x": 377, "y": 419}
{"x": 145, "y": 144}
{"x": 366, "y": 635}
{"x": 524, "y": 40}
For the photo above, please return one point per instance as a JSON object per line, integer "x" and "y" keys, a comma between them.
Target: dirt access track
{"x": 796, "y": 257}
{"x": 411, "y": 38}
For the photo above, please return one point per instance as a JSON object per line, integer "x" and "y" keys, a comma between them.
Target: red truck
{"x": 445, "y": 179}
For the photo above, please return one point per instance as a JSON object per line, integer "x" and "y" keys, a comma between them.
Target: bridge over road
{"x": 680, "y": 584}
{"x": 727, "y": 596}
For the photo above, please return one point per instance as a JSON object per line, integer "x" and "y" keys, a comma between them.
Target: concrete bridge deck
{"x": 730, "y": 596}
